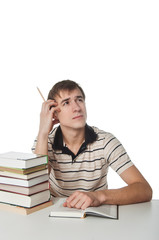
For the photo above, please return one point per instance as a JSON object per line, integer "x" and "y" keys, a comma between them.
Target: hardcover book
{"x": 25, "y": 190}
{"x": 24, "y": 200}
{"x": 24, "y": 182}
{"x": 24, "y": 171}
{"x": 23, "y": 176}
{"x": 22, "y": 160}
{"x": 23, "y": 210}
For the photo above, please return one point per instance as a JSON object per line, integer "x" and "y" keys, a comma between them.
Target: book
{"x": 107, "y": 211}
{"x": 25, "y": 190}
{"x": 24, "y": 171}
{"x": 22, "y": 160}
{"x": 23, "y": 176}
{"x": 24, "y": 182}
{"x": 23, "y": 210}
{"x": 23, "y": 200}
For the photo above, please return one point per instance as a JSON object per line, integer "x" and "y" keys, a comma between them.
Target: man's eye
{"x": 66, "y": 103}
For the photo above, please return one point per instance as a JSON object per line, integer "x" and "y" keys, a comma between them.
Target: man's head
{"x": 71, "y": 100}
{"x": 65, "y": 85}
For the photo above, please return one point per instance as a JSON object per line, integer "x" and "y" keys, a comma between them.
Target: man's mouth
{"x": 76, "y": 117}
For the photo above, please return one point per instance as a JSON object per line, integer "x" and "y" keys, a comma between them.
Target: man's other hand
{"x": 82, "y": 200}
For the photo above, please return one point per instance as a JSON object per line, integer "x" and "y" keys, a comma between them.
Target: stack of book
{"x": 24, "y": 185}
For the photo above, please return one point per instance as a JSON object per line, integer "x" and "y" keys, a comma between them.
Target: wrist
{"x": 101, "y": 195}
{"x": 42, "y": 144}
{"x": 43, "y": 134}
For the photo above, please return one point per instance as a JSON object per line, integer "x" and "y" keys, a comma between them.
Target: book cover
{"x": 23, "y": 176}
{"x": 23, "y": 200}
{"x": 24, "y": 171}
{"x": 23, "y": 210}
{"x": 25, "y": 190}
{"x": 22, "y": 160}
{"x": 24, "y": 182}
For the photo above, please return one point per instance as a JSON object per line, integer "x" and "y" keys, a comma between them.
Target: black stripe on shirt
{"x": 74, "y": 189}
{"x": 97, "y": 149}
{"x": 86, "y": 151}
{"x": 98, "y": 140}
{"x": 53, "y": 130}
{"x": 70, "y": 162}
{"x": 80, "y": 179}
{"x": 123, "y": 165}
{"x": 109, "y": 142}
{"x": 62, "y": 194}
{"x": 83, "y": 170}
{"x": 117, "y": 158}
{"x": 99, "y": 187}
{"x": 113, "y": 151}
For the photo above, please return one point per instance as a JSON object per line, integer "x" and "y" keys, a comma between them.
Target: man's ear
{"x": 55, "y": 116}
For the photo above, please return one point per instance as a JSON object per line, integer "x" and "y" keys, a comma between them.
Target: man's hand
{"x": 48, "y": 116}
{"x": 48, "y": 119}
{"x": 82, "y": 200}
{"x": 138, "y": 190}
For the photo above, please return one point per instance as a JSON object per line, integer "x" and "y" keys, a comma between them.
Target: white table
{"x": 136, "y": 222}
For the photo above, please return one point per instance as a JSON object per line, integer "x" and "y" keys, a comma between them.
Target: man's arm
{"x": 47, "y": 121}
{"x": 138, "y": 190}
{"x": 42, "y": 144}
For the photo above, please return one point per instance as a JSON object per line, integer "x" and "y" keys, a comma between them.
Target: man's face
{"x": 73, "y": 110}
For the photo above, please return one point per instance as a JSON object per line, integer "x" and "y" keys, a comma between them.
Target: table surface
{"x": 136, "y": 222}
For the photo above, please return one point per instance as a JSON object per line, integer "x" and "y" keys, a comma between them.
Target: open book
{"x": 107, "y": 211}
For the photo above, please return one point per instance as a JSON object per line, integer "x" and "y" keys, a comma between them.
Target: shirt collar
{"x": 90, "y": 137}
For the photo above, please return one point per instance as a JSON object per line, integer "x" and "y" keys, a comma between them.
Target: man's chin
{"x": 77, "y": 125}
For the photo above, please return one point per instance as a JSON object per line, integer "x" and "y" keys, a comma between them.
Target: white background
{"x": 111, "y": 48}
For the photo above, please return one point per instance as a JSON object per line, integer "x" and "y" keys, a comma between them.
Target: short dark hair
{"x": 64, "y": 85}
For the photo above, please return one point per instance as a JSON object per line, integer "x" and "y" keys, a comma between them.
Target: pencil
{"x": 41, "y": 94}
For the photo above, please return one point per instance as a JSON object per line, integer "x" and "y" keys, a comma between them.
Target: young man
{"x": 79, "y": 155}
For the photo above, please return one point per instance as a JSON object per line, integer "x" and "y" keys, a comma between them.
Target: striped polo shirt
{"x": 86, "y": 171}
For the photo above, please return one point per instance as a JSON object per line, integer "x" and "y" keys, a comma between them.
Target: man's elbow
{"x": 148, "y": 192}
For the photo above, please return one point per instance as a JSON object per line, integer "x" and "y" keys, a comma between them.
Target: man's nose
{"x": 75, "y": 106}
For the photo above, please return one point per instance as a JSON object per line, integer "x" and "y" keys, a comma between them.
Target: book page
{"x": 110, "y": 211}
{"x": 18, "y": 155}
{"x": 58, "y": 210}
{"x": 104, "y": 210}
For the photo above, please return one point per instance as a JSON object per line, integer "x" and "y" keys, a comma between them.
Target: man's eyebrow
{"x": 80, "y": 96}
{"x": 64, "y": 100}
{"x": 67, "y": 99}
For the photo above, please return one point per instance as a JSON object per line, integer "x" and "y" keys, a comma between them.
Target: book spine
{"x": 47, "y": 159}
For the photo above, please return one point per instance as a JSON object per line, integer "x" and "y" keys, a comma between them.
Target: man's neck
{"x": 73, "y": 138}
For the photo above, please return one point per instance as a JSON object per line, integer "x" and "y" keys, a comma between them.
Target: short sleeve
{"x": 116, "y": 155}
